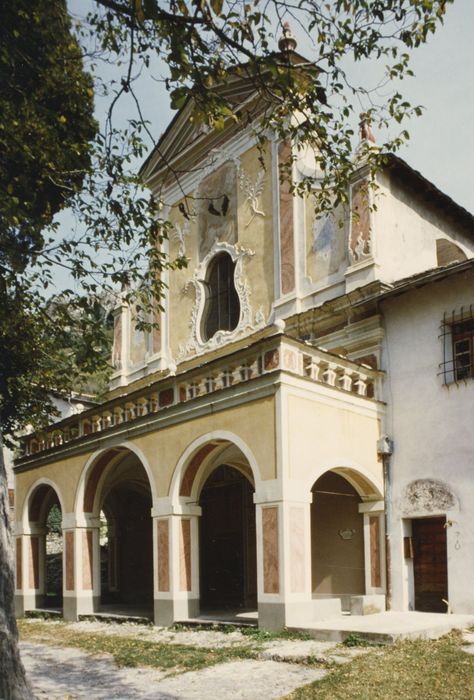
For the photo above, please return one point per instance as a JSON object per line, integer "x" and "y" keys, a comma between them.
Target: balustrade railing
{"x": 315, "y": 364}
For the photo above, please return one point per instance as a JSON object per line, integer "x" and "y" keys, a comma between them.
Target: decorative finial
{"x": 366, "y": 133}
{"x": 287, "y": 41}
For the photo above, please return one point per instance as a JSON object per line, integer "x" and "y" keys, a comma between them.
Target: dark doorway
{"x": 127, "y": 561}
{"x": 430, "y": 566}
{"x": 228, "y": 561}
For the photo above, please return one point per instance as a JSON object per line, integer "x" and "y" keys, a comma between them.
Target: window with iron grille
{"x": 222, "y": 308}
{"x": 463, "y": 349}
{"x": 458, "y": 345}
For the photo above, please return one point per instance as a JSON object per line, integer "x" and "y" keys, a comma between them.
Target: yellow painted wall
{"x": 253, "y": 423}
{"x": 181, "y": 302}
{"x": 64, "y": 473}
{"x": 323, "y": 436}
{"x": 254, "y": 233}
{"x": 258, "y": 234}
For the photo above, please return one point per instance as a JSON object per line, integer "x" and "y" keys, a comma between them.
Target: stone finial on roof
{"x": 287, "y": 41}
{"x": 365, "y": 130}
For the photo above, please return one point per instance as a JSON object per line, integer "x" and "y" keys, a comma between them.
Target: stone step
{"x": 117, "y": 618}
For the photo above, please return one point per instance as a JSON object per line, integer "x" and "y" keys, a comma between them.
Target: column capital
{"x": 83, "y": 523}
{"x": 279, "y": 491}
{"x": 164, "y": 507}
{"x": 372, "y": 507}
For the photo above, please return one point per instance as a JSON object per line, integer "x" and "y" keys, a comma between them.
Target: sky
{"x": 441, "y": 143}
{"x": 442, "y": 140}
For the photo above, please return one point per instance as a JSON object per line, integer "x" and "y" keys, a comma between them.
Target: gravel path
{"x": 189, "y": 636}
{"x": 70, "y": 674}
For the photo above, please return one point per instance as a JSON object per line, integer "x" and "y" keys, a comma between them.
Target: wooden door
{"x": 430, "y": 565}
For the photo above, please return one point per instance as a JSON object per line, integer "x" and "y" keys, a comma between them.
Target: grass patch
{"x": 253, "y": 633}
{"x": 216, "y": 627}
{"x": 412, "y": 670}
{"x": 128, "y": 651}
{"x": 260, "y": 635}
{"x": 353, "y": 640}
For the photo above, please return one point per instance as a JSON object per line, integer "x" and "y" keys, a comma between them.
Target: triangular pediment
{"x": 185, "y": 138}
{"x": 184, "y": 134}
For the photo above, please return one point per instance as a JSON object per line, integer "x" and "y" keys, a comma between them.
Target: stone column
{"x": 30, "y": 564}
{"x": 284, "y": 562}
{"x": 176, "y": 562}
{"x": 81, "y": 572}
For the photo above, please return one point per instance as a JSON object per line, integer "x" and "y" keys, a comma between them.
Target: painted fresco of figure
{"x": 217, "y": 208}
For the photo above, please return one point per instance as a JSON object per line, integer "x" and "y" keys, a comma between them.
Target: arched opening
{"x": 123, "y": 503}
{"x": 228, "y": 569}
{"x": 45, "y": 554}
{"x": 448, "y": 252}
{"x": 54, "y": 557}
{"x": 337, "y": 539}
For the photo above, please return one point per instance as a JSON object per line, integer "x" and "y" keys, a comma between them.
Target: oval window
{"x": 222, "y": 308}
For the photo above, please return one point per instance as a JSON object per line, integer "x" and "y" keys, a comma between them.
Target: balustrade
{"x": 315, "y": 364}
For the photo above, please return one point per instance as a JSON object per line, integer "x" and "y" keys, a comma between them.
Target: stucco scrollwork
{"x": 427, "y": 496}
{"x": 196, "y": 343}
{"x": 252, "y": 191}
{"x": 179, "y": 234}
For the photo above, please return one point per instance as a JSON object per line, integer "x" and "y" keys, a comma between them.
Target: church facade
{"x": 294, "y": 438}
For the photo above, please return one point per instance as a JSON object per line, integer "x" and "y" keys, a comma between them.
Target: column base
{"x": 83, "y": 605}
{"x": 19, "y": 605}
{"x": 276, "y": 616}
{"x": 169, "y": 611}
{"x": 367, "y": 604}
{"x": 28, "y": 601}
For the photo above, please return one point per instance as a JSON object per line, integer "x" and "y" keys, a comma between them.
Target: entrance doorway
{"x": 123, "y": 506}
{"x": 228, "y": 561}
{"x": 430, "y": 564}
{"x": 127, "y": 575}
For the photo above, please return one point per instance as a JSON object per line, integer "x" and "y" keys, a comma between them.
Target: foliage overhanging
{"x": 57, "y": 156}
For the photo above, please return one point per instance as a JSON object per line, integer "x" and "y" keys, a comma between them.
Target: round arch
{"x": 363, "y": 481}
{"x": 195, "y": 463}
{"x": 115, "y": 496}
{"x": 95, "y": 471}
{"x": 338, "y": 537}
{"x": 32, "y": 493}
{"x": 45, "y": 548}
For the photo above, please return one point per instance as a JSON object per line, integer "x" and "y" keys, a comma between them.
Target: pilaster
{"x": 176, "y": 563}
{"x": 283, "y": 562}
{"x": 30, "y": 559}
{"x": 81, "y": 572}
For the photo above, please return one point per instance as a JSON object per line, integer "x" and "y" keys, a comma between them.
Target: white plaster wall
{"x": 432, "y": 427}
{"x": 406, "y": 228}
